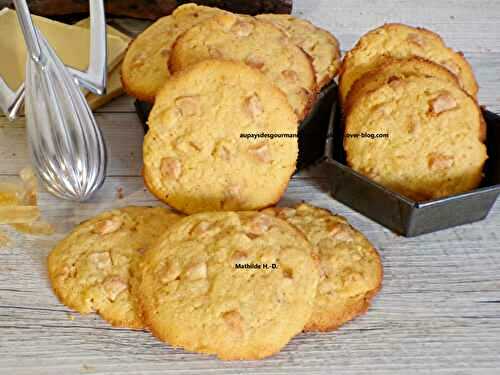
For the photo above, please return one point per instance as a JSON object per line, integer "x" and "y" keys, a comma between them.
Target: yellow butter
{"x": 113, "y": 90}
{"x": 71, "y": 44}
{"x": 114, "y": 84}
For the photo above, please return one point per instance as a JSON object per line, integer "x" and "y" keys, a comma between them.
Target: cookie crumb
{"x": 86, "y": 369}
{"x": 4, "y": 240}
{"x": 119, "y": 193}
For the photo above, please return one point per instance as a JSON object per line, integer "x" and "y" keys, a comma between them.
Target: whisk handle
{"x": 97, "y": 64}
{"x": 28, "y": 29}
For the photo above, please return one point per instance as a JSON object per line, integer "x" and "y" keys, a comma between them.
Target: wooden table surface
{"x": 438, "y": 311}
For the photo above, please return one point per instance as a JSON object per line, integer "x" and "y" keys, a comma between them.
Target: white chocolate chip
{"x": 66, "y": 272}
{"x": 232, "y": 197}
{"x": 394, "y": 83}
{"x": 325, "y": 287}
{"x": 416, "y": 39}
{"x": 261, "y": 152}
{"x": 253, "y": 106}
{"x": 188, "y": 105}
{"x": 170, "y": 272}
{"x": 222, "y": 152}
{"x": 437, "y": 161}
{"x": 238, "y": 257}
{"x": 200, "y": 229}
{"x": 170, "y": 168}
{"x": 286, "y": 213}
{"x": 113, "y": 286}
{"x": 226, "y": 21}
{"x": 139, "y": 60}
{"x": 234, "y": 190}
{"x": 259, "y": 225}
{"x": 444, "y": 102}
{"x": 271, "y": 211}
{"x": 108, "y": 225}
{"x": 290, "y": 75}
{"x": 451, "y": 66}
{"x": 340, "y": 232}
{"x": 255, "y": 61}
{"x": 242, "y": 28}
{"x": 234, "y": 321}
{"x": 101, "y": 260}
{"x": 196, "y": 271}
{"x": 215, "y": 53}
{"x": 350, "y": 277}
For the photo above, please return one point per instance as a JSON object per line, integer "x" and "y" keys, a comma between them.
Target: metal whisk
{"x": 65, "y": 143}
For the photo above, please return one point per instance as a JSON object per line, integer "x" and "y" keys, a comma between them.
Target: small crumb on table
{"x": 119, "y": 193}
{"x": 4, "y": 240}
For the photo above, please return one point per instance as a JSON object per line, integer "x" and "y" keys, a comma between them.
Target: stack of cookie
{"x": 216, "y": 80}
{"x": 228, "y": 280}
{"x": 406, "y": 84}
{"x": 238, "y": 285}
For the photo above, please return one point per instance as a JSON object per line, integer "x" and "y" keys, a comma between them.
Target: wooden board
{"x": 439, "y": 309}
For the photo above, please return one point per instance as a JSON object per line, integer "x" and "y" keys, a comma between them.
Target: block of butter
{"x": 114, "y": 84}
{"x": 71, "y": 44}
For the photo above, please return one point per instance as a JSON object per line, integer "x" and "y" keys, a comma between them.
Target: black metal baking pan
{"x": 399, "y": 213}
{"x": 312, "y": 130}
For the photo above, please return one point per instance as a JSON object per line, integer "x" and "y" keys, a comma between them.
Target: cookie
{"x": 434, "y": 144}
{"x": 145, "y": 66}
{"x": 196, "y": 153}
{"x": 90, "y": 269}
{"x": 238, "y": 285}
{"x": 258, "y": 44}
{"x": 393, "y": 69}
{"x": 401, "y": 42}
{"x": 350, "y": 267}
{"x": 318, "y": 43}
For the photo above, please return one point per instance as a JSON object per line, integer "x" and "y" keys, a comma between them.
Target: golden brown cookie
{"x": 318, "y": 43}
{"x": 400, "y": 42}
{"x": 90, "y": 270}
{"x": 238, "y": 285}
{"x": 196, "y": 153}
{"x": 434, "y": 144}
{"x": 258, "y": 44}
{"x": 350, "y": 267}
{"x": 145, "y": 66}
{"x": 394, "y": 69}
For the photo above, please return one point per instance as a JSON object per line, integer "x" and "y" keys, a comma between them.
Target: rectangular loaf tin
{"x": 399, "y": 213}
{"x": 312, "y": 130}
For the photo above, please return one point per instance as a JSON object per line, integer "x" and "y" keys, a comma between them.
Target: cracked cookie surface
{"x": 90, "y": 269}
{"x": 350, "y": 267}
{"x": 195, "y": 158}
{"x": 194, "y": 296}
{"x": 256, "y": 43}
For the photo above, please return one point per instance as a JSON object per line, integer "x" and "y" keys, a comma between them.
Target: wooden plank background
{"x": 439, "y": 309}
